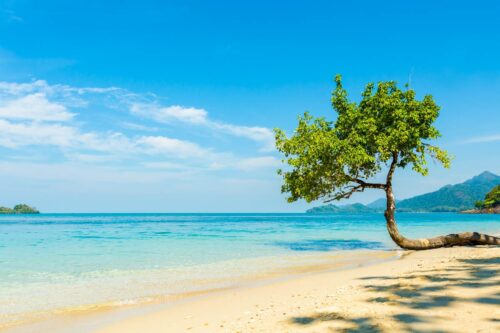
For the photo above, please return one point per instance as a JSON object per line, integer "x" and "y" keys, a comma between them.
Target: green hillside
{"x": 492, "y": 199}
{"x": 451, "y": 198}
{"x": 379, "y": 204}
{"x": 490, "y": 204}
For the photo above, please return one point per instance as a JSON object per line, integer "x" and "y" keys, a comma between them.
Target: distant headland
{"x": 490, "y": 204}
{"x": 19, "y": 209}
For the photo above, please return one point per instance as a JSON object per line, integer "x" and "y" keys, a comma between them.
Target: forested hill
{"x": 453, "y": 197}
{"x": 333, "y": 209}
{"x": 19, "y": 209}
{"x": 450, "y": 198}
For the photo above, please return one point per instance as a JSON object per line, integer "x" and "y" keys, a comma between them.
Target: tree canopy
{"x": 330, "y": 160}
{"x": 388, "y": 128}
{"x": 492, "y": 199}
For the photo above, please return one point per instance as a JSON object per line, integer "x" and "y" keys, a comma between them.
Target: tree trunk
{"x": 461, "y": 239}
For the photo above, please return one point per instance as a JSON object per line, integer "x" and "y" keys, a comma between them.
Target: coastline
{"x": 450, "y": 289}
{"x": 492, "y": 210}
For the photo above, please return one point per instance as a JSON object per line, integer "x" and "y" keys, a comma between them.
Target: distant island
{"x": 450, "y": 198}
{"x": 19, "y": 209}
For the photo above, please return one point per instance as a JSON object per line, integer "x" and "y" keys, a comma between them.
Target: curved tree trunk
{"x": 461, "y": 239}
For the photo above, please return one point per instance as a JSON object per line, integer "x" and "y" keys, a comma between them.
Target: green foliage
{"x": 19, "y": 209}
{"x": 479, "y": 204}
{"x": 326, "y": 157}
{"x": 25, "y": 209}
{"x": 6, "y": 210}
{"x": 492, "y": 199}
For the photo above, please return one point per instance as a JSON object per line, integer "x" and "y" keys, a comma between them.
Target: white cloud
{"x": 483, "y": 139}
{"x": 16, "y": 89}
{"x": 39, "y": 114}
{"x": 13, "y": 135}
{"x": 169, "y": 113}
{"x": 142, "y": 105}
{"x": 108, "y": 142}
{"x": 173, "y": 147}
{"x": 195, "y": 116}
{"x": 138, "y": 127}
{"x": 34, "y": 107}
{"x": 262, "y": 135}
{"x": 77, "y": 144}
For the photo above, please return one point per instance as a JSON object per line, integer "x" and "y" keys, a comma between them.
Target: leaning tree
{"x": 388, "y": 129}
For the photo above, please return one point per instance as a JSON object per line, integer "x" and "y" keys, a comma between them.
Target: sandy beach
{"x": 443, "y": 290}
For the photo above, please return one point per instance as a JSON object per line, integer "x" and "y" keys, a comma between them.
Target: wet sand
{"x": 86, "y": 318}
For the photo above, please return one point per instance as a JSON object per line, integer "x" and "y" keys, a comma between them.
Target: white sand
{"x": 444, "y": 290}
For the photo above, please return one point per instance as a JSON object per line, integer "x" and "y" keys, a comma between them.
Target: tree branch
{"x": 346, "y": 195}
{"x": 369, "y": 185}
{"x": 353, "y": 189}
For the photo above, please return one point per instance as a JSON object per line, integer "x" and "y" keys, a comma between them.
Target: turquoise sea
{"x": 54, "y": 262}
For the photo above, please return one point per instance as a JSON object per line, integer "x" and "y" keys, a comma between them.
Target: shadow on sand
{"x": 408, "y": 295}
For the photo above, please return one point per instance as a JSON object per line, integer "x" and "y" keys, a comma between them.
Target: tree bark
{"x": 461, "y": 239}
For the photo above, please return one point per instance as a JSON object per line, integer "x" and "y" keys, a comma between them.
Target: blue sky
{"x": 168, "y": 106}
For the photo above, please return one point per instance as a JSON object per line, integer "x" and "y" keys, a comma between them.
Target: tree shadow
{"x": 358, "y": 324}
{"x": 411, "y": 299}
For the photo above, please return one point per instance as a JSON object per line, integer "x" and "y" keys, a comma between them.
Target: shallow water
{"x": 51, "y": 262}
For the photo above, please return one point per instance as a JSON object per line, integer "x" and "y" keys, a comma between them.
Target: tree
{"x": 388, "y": 129}
{"x": 492, "y": 199}
{"x": 479, "y": 204}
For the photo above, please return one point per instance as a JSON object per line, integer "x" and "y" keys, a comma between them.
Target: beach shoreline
{"x": 90, "y": 316}
{"x": 445, "y": 290}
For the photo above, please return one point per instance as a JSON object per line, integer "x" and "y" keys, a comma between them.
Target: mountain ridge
{"x": 449, "y": 198}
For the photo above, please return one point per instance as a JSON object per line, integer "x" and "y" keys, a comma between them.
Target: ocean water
{"x": 61, "y": 262}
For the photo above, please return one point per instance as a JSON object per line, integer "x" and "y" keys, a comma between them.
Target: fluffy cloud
{"x": 16, "y": 89}
{"x": 40, "y": 114}
{"x": 169, "y": 113}
{"x": 259, "y": 134}
{"x": 34, "y": 107}
{"x": 172, "y": 147}
{"x": 13, "y": 135}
